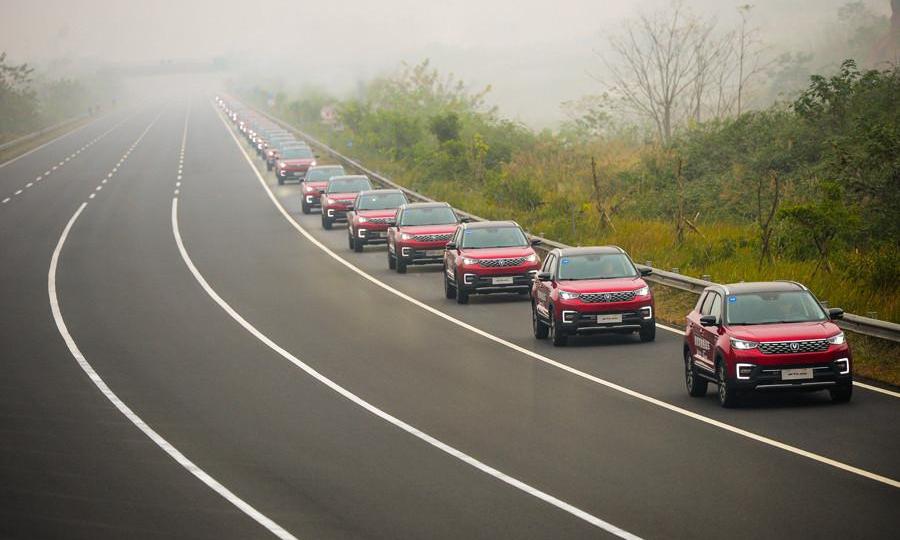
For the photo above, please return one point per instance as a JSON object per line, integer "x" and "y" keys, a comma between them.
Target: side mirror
{"x": 451, "y": 245}
{"x": 465, "y": 220}
{"x": 350, "y": 207}
{"x": 544, "y": 276}
{"x": 709, "y": 320}
{"x": 646, "y": 270}
{"x": 536, "y": 241}
{"x": 836, "y": 313}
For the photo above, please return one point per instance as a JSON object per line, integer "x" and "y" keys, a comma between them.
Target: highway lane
{"x": 397, "y": 329}
{"x": 865, "y": 433}
{"x": 306, "y": 457}
{"x": 70, "y": 465}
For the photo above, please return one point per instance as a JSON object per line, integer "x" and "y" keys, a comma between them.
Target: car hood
{"x": 390, "y": 212}
{"x": 342, "y": 196}
{"x": 428, "y": 229}
{"x": 314, "y": 186}
{"x": 296, "y": 162}
{"x": 602, "y": 285}
{"x": 786, "y": 331}
{"x": 497, "y": 253}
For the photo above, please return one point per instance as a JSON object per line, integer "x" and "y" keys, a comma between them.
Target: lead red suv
{"x": 489, "y": 257}
{"x": 591, "y": 290}
{"x": 765, "y": 336}
{"x": 314, "y": 184}
{"x": 420, "y": 234}
{"x": 338, "y": 196}
{"x": 373, "y": 211}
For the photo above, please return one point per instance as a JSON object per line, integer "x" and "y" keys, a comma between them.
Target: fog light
{"x": 330, "y": 212}
{"x": 743, "y": 371}
{"x": 569, "y": 316}
{"x": 468, "y": 279}
{"x": 843, "y": 365}
{"x": 362, "y": 233}
{"x": 647, "y": 312}
{"x": 405, "y": 251}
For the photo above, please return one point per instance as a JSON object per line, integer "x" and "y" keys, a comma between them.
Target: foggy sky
{"x": 534, "y": 53}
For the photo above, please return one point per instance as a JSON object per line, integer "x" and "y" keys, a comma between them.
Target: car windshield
{"x": 596, "y": 266}
{"x": 296, "y": 153}
{"x": 430, "y": 215}
{"x": 348, "y": 185}
{"x": 380, "y": 201}
{"x": 493, "y": 237}
{"x": 323, "y": 174}
{"x": 773, "y": 307}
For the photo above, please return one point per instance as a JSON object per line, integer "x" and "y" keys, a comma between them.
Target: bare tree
{"x": 657, "y": 64}
{"x": 765, "y": 218}
{"x": 749, "y": 55}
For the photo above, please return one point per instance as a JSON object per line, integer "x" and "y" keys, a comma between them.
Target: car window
{"x": 596, "y": 266}
{"x": 553, "y": 265}
{"x": 296, "y": 153}
{"x": 494, "y": 237}
{"x": 773, "y": 307}
{"x": 322, "y": 174}
{"x": 699, "y": 307}
{"x": 716, "y": 307}
{"x": 546, "y": 266}
{"x": 428, "y": 215}
{"x": 706, "y": 309}
{"x": 348, "y": 185}
{"x": 380, "y": 201}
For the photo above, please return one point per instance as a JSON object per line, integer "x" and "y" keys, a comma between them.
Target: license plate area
{"x": 382, "y": 234}
{"x": 796, "y": 374}
{"x": 609, "y": 318}
{"x": 505, "y": 280}
{"x": 434, "y": 252}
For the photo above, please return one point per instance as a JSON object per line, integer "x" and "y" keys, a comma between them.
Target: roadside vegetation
{"x": 31, "y": 100}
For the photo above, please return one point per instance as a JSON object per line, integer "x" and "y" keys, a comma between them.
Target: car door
{"x": 710, "y": 334}
{"x": 450, "y": 255}
{"x": 544, "y": 288}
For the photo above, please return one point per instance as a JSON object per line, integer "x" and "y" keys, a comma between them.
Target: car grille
{"x": 618, "y": 296}
{"x": 788, "y": 347}
{"x": 432, "y": 237}
{"x": 501, "y": 263}
{"x": 379, "y": 219}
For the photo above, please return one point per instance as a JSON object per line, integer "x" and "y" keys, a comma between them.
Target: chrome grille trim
{"x": 790, "y": 347}
{"x": 603, "y": 297}
{"x": 432, "y": 237}
{"x": 501, "y": 263}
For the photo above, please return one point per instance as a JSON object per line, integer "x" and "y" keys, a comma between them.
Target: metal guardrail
{"x": 854, "y": 323}
{"x": 40, "y": 132}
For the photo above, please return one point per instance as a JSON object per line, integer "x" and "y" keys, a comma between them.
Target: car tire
{"x": 449, "y": 289}
{"x": 304, "y": 207}
{"x": 392, "y": 261}
{"x": 280, "y": 181}
{"x": 541, "y": 330}
{"x": 696, "y": 385}
{"x": 358, "y": 244}
{"x": 351, "y": 242}
{"x": 559, "y": 338}
{"x": 462, "y": 296}
{"x": 726, "y": 392}
{"x": 841, "y": 393}
{"x": 326, "y": 223}
{"x": 401, "y": 266}
{"x": 648, "y": 332}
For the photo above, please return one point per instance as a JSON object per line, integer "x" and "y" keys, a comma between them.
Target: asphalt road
{"x": 215, "y": 368}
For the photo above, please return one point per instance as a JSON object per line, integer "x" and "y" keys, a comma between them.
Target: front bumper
{"x": 749, "y": 376}
{"x": 370, "y": 236}
{"x": 495, "y": 283}
{"x": 574, "y": 321}
{"x": 336, "y": 214}
{"x": 422, "y": 253}
{"x": 285, "y": 173}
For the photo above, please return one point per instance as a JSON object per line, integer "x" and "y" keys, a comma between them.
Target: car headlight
{"x": 836, "y": 339}
{"x": 313, "y": 163}
{"x": 362, "y": 219}
{"x": 532, "y": 258}
{"x": 281, "y": 164}
{"x": 329, "y": 200}
{"x": 643, "y": 291}
{"x": 568, "y": 295}
{"x": 743, "y": 345}
{"x": 469, "y": 261}
{"x": 405, "y": 236}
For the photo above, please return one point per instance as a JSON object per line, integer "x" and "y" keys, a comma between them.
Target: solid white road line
{"x": 48, "y": 143}
{"x": 549, "y": 361}
{"x": 95, "y": 378}
{"x": 458, "y": 454}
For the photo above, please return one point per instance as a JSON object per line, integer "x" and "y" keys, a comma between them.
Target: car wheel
{"x": 280, "y": 181}
{"x": 537, "y": 325}
{"x": 648, "y": 332}
{"x": 696, "y": 386}
{"x": 351, "y": 242}
{"x": 392, "y": 262}
{"x": 326, "y": 223}
{"x": 462, "y": 296}
{"x": 449, "y": 289}
{"x": 401, "y": 266}
{"x": 304, "y": 207}
{"x": 841, "y": 393}
{"x": 727, "y": 394}
{"x": 558, "y": 337}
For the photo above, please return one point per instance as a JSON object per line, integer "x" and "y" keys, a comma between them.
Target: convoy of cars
{"x": 740, "y": 337}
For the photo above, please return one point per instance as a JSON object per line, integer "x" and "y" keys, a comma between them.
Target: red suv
{"x": 420, "y": 234}
{"x": 314, "y": 184}
{"x": 761, "y": 336}
{"x": 338, "y": 196}
{"x": 489, "y": 257}
{"x": 293, "y": 163}
{"x": 591, "y": 290}
{"x": 372, "y": 213}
